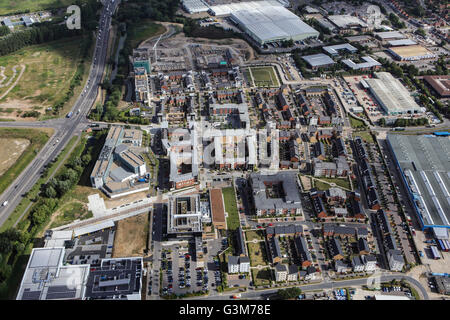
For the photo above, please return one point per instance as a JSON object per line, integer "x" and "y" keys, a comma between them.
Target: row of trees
{"x": 13, "y": 241}
{"x": 48, "y": 31}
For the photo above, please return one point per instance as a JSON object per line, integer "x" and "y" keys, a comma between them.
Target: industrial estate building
{"x": 393, "y": 104}
{"x": 440, "y": 84}
{"x": 424, "y": 166}
{"x": 411, "y": 53}
{"x": 194, "y": 6}
{"x": 319, "y": 60}
{"x": 368, "y": 64}
{"x": 336, "y": 49}
{"x": 119, "y": 166}
{"x": 266, "y": 23}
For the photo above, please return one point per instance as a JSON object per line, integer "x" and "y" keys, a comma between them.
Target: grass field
{"x": 340, "y": 182}
{"x": 46, "y": 79}
{"x": 356, "y": 123}
{"x": 37, "y": 139}
{"x": 252, "y": 234}
{"x": 262, "y": 76}
{"x": 229, "y": 198}
{"x": 9, "y": 7}
{"x": 257, "y": 254}
{"x": 365, "y": 135}
{"x": 142, "y": 31}
{"x": 262, "y": 277}
{"x": 70, "y": 212}
{"x": 131, "y": 236}
{"x": 12, "y": 149}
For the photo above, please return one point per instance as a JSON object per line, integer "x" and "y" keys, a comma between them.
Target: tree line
{"x": 14, "y": 241}
{"x": 48, "y": 31}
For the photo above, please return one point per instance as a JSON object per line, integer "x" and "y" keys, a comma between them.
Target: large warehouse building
{"x": 424, "y": 166}
{"x": 411, "y": 53}
{"x": 266, "y": 22}
{"x": 401, "y": 102}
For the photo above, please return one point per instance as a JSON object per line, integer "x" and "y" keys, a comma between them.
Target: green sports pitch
{"x": 262, "y": 76}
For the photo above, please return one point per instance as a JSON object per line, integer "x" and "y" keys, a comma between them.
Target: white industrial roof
{"x": 269, "y": 22}
{"x": 346, "y": 20}
{"x": 384, "y": 86}
{"x": 48, "y": 257}
{"x": 390, "y": 35}
{"x": 368, "y": 63}
{"x": 403, "y": 42}
{"x": 93, "y": 227}
{"x": 227, "y": 9}
{"x": 317, "y": 60}
{"x": 335, "y": 49}
{"x": 195, "y": 5}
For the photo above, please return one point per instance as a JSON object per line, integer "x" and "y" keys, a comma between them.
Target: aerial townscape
{"x": 225, "y": 149}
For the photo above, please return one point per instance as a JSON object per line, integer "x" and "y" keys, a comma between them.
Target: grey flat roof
{"x": 424, "y": 161}
{"x": 335, "y": 49}
{"x": 288, "y": 182}
{"x": 317, "y": 60}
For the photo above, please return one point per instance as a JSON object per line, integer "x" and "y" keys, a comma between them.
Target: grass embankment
{"x": 38, "y": 138}
{"x": 142, "y": 31}
{"x": 229, "y": 198}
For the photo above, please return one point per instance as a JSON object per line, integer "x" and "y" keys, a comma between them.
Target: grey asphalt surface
{"x": 260, "y": 294}
{"x": 65, "y": 128}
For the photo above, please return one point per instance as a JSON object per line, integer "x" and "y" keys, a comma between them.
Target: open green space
{"x": 254, "y": 234}
{"x": 37, "y": 139}
{"x": 356, "y": 123}
{"x": 49, "y": 72}
{"x": 71, "y": 212}
{"x": 262, "y": 277}
{"x": 32, "y": 194}
{"x": 257, "y": 253}
{"x": 365, "y": 135}
{"x": 263, "y": 76}
{"x": 340, "y": 182}
{"x": 142, "y": 31}
{"x": 229, "y": 198}
{"x": 11, "y": 7}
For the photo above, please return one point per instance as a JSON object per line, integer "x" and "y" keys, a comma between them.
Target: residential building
{"x": 396, "y": 260}
{"x": 370, "y": 263}
{"x": 281, "y": 272}
{"x": 277, "y": 194}
{"x": 357, "y": 264}
{"x": 292, "y": 274}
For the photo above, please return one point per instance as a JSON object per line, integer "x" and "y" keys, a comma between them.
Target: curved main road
{"x": 65, "y": 128}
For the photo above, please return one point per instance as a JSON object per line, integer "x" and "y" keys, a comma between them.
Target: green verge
{"x": 229, "y": 198}
{"x": 23, "y": 205}
{"x": 37, "y": 138}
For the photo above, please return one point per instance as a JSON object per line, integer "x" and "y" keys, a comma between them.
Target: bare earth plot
{"x": 131, "y": 236}
{"x": 11, "y": 151}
